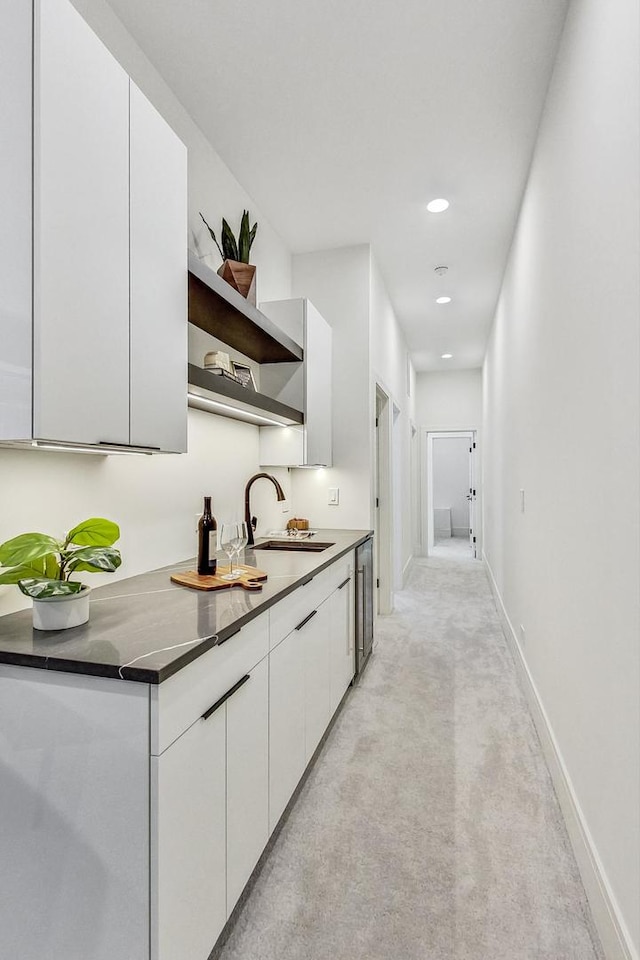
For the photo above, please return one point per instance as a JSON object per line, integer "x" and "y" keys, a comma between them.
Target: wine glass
{"x": 243, "y": 537}
{"x": 230, "y": 539}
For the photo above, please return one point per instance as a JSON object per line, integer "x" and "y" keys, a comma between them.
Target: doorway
{"x": 451, "y": 495}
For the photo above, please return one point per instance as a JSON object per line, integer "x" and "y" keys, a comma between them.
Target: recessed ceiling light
{"x": 443, "y": 300}
{"x": 437, "y": 206}
{"x": 446, "y": 356}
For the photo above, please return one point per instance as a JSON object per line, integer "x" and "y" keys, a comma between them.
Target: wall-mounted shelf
{"x": 219, "y": 310}
{"x": 216, "y": 394}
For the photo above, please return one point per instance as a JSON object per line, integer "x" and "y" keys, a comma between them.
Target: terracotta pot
{"x": 241, "y": 276}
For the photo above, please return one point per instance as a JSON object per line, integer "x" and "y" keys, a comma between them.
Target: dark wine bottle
{"x": 207, "y": 541}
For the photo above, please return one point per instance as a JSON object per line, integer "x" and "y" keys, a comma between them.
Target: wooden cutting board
{"x": 251, "y": 579}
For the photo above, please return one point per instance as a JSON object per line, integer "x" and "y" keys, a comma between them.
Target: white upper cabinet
{"x": 307, "y": 385}
{"x": 81, "y": 237}
{"x": 158, "y": 178}
{"x": 99, "y": 356}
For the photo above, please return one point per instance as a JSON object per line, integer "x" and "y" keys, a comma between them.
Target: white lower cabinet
{"x": 342, "y": 612}
{"x": 309, "y": 672}
{"x": 247, "y": 779}
{"x": 148, "y": 805}
{"x": 209, "y": 818}
{"x": 188, "y": 804}
{"x": 286, "y": 723}
{"x": 316, "y": 636}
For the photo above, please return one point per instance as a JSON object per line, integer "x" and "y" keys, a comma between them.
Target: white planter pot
{"x": 60, "y": 613}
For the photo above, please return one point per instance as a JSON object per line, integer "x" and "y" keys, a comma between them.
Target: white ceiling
{"x": 342, "y": 118}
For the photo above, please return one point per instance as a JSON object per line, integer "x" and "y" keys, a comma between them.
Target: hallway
{"x": 428, "y": 828}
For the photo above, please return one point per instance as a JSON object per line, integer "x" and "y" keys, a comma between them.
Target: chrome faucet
{"x": 252, "y": 521}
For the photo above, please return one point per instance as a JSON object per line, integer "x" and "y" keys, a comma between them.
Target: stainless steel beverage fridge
{"x": 364, "y": 603}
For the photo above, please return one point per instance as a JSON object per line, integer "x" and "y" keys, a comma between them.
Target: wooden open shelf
{"x": 219, "y": 310}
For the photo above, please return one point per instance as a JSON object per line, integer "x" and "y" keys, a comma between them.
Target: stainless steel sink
{"x": 294, "y": 546}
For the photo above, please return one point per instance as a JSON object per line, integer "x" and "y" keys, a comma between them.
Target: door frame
{"x": 426, "y": 498}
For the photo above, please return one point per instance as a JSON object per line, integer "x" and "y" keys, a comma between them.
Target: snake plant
{"x": 231, "y": 250}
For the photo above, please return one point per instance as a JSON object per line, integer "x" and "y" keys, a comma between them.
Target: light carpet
{"x": 428, "y": 828}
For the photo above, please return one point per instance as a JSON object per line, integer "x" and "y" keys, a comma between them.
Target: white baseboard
{"x": 612, "y": 930}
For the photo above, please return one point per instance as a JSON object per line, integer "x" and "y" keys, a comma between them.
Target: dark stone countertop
{"x": 146, "y": 628}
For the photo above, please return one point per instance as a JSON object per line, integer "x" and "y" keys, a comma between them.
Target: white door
{"x": 81, "y": 234}
{"x": 188, "y": 861}
{"x": 472, "y": 498}
{"x": 286, "y": 723}
{"x": 158, "y": 167}
{"x": 341, "y": 603}
{"x": 247, "y": 779}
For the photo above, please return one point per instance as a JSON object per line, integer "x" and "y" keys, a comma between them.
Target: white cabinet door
{"x": 341, "y": 604}
{"x": 318, "y": 388}
{"x": 311, "y": 444}
{"x": 188, "y": 857}
{"x": 286, "y": 723}
{"x": 315, "y": 639}
{"x": 81, "y": 233}
{"x": 247, "y": 779}
{"x": 158, "y": 166}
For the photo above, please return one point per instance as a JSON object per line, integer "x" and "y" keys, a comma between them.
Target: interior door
{"x": 472, "y": 497}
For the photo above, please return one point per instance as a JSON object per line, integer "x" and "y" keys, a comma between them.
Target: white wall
{"x": 337, "y": 283}
{"x": 449, "y": 401}
{"x": 451, "y": 481}
{"x": 154, "y": 498}
{"x": 561, "y": 397}
{"x": 392, "y": 369}
{"x": 368, "y": 347}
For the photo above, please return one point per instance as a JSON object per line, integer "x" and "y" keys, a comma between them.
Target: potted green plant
{"x": 42, "y": 566}
{"x": 236, "y": 268}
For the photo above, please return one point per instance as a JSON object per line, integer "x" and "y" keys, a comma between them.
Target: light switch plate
{"x": 334, "y": 496}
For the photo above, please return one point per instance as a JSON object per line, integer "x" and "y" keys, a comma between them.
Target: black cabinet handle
{"x": 234, "y": 634}
{"x": 229, "y": 693}
{"x": 130, "y": 446}
{"x": 306, "y": 620}
{"x": 344, "y": 583}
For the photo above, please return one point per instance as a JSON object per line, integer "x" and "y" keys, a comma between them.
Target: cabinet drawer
{"x": 292, "y": 610}
{"x": 184, "y": 697}
{"x": 331, "y": 578}
{"x": 289, "y": 612}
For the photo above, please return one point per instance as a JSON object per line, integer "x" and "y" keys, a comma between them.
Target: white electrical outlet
{"x": 334, "y": 496}
{"x": 522, "y": 501}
